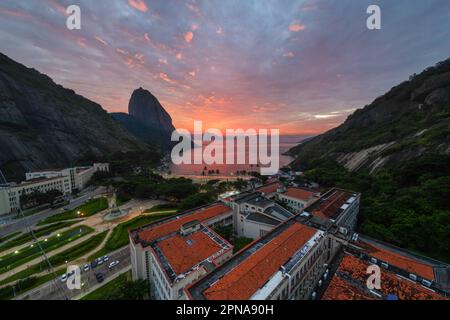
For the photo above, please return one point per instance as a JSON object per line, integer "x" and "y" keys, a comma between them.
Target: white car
{"x": 105, "y": 258}
{"x": 113, "y": 264}
{"x": 86, "y": 267}
{"x": 99, "y": 261}
{"x": 64, "y": 278}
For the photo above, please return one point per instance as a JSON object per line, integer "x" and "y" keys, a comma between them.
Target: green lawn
{"x": 109, "y": 288}
{"x": 28, "y": 253}
{"x": 88, "y": 209}
{"x": 60, "y": 259}
{"x": 119, "y": 236}
{"x": 9, "y": 236}
{"x": 27, "y": 237}
{"x": 162, "y": 207}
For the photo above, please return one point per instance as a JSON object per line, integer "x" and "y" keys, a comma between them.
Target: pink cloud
{"x": 189, "y": 36}
{"x": 138, "y": 5}
{"x": 289, "y": 54}
{"x": 101, "y": 41}
{"x": 296, "y": 27}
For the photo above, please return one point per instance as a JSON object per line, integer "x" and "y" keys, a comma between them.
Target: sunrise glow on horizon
{"x": 299, "y": 66}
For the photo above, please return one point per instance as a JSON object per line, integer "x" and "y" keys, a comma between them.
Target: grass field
{"x": 119, "y": 236}
{"x": 28, "y": 253}
{"x": 111, "y": 287}
{"x": 27, "y": 237}
{"x": 9, "y": 236}
{"x": 59, "y": 259}
{"x": 88, "y": 209}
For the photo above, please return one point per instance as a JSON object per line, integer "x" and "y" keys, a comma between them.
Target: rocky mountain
{"x": 44, "y": 125}
{"x": 147, "y": 119}
{"x": 411, "y": 120}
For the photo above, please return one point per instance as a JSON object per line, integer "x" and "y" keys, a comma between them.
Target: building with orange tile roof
{"x": 339, "y": 206}
{"x": 349, "y": 283}
{"x": 181, "y": 258}
{"x": 281, "y": 265}
{"x": 298, "y": 198}
{"x": 173, "y": 252}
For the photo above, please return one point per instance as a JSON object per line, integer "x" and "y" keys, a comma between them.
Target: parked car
{"x": 113, "y": 264}
{"x": 94, "y": 264}
{"x": 64, "y": 278}
{"x": 86, "y": 267}
{"x": 99, "y": 261}
{"x": 99, "y": 277}
{"x": 105, "y": 258}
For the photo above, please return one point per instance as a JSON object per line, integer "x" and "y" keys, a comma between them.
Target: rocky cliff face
{"x": 146, "y": 108}
{"x": 44, "y": 125}
{"x": 412, "y": 119}
{"x": 147, "y": 119}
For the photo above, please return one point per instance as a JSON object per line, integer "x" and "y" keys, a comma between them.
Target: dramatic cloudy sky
{"x": 301, "y": 66}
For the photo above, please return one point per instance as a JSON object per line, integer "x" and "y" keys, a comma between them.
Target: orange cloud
{"x": 166, "y": 78}
{"x": 189, "y": 36}
{"x": 289, "y": 54}
{"x": 101, "y": 41}
{"x": 179, "y": 56}
{"x": 296, "y": 27}
{"x": 138, "y": 5}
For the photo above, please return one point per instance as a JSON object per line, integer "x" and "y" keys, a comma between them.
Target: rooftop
{"x": 145, "y": 235}
{"x": 249, "y": 270}
{"x": 36, "y": 180}
{"x": 179, "y": 255}
{"x": 400, "y": 258}
{"x": 331, "y": 204}
{"x": 300, "y": 193}
{"x": 269, "y": 188}
{"x": 349, "y": 283}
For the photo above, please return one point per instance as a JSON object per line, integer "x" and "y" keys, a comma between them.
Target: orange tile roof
{"x": 417, "y": 267}
{"x": 299, "y": 193}
{"x": 269, "y": 188}
{"x": 182, "y": 256}
{"x": 339, "y": 289}
{"x": 355, "y": 268}
{"x": 156, "y": 231}
{"x": 245, "y": 279}
{"x": 329, "y": 207}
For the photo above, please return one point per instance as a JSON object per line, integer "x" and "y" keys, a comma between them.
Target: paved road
{"x": 56, "y": 290}
{"x": 22, "y": 224}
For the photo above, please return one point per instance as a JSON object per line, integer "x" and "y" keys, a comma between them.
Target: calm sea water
{"x": 230, "y": 170}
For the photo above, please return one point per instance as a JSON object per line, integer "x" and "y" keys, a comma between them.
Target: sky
{"x": 299, "y": 66}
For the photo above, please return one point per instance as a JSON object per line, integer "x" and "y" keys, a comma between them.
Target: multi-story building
{"x": 284, "y": 264}
{"x": 174, "y": 252}
{"x": 79, "y": 176}
{"x": 403, "y": 275}
{"x": 13, "y": 192}
{"x": 339, "y": 206}
{"x": 64, "y": 180}
{"x": 298, "y": 198}
{"x": 255, "y": 215}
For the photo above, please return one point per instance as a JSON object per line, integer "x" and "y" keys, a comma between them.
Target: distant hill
{"x": 411, "y": 120}
{"x": 44, "y": 125}
{"x": 147, "y": 119}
